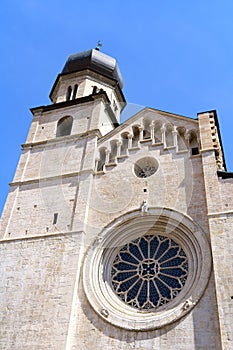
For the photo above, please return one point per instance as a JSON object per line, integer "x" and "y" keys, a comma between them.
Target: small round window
{"x": 145, "y": 167}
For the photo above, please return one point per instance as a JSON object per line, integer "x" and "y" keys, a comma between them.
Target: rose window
{"x": 149, "y": 272}
{"x": 145, "y": 171}
{"x": 145, "y": 167}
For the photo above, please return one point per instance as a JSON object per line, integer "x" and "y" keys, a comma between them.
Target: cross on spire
{"x": 99, "y": 44}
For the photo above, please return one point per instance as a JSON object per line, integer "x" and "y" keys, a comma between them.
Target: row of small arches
{"x": 158, "y": 133}
{"x": 155, "y": 132}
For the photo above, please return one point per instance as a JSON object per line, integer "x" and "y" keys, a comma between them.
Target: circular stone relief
{"x": 145, "y": 167}
{"x": 147, "y": 270}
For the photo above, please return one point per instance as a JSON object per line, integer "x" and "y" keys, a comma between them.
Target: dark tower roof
{"x": 96, "y": 61}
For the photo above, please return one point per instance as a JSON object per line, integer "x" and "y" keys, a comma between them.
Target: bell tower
{"x": 60, "y": 149}
{"x": 89, "y": 73}
{"x": 116, "y": 236}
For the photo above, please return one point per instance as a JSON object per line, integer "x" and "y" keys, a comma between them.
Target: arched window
{"x": 136, "y": 134}
{"x": 74, "y": 96}
{"x": 68, "y": 93}
{"x": 64, "y": 126}
{"x": 181, "y": 143}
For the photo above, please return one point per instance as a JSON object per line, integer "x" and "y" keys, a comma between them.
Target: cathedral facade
{"x": 116, "y": 235}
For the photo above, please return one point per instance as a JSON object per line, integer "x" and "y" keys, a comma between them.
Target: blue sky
{"x": 175, "y": 56}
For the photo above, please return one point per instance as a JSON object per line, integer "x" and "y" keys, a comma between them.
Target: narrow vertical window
{"x": 74, "y": 96}
{"x": 95, "y": 90}
{"x": 136, "y": 133}
{"x": 68, "y": 93}
{"x": 55, "y": 216}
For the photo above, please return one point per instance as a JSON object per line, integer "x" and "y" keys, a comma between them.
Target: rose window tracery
{"x": 149, "y": 272}
{"x": 146, "y": 171}
{"x": 145, "y": 167}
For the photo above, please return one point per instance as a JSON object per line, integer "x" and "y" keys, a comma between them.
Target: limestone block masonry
{"x": 116, "y": 236}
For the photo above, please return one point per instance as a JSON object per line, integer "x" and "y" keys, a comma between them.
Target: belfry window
{"x": 68, "y": 93}
{"x": 64, "y": 126}
{"x": 94, "y": 90}
{"x": 74, "y": 95}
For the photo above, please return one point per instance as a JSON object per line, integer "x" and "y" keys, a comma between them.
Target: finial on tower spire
{"x": 99, "y": 44}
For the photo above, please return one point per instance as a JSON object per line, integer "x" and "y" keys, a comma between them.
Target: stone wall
{"x": 44, "y": 307}
{"x": 38, "y": 277}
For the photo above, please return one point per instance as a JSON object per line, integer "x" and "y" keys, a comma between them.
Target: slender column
{"x": 119, "y": 148}
{"x": 141, "y": 133}
{"x": 186, "y": 138}
{"x": 107, "y": 152}
{"x": 152, "y": 131}
{"x": 96, "y": 164}
{"x": 130, "y": 136}
{"x": 163, "y": 133}
{"x": 174, "y": 134}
